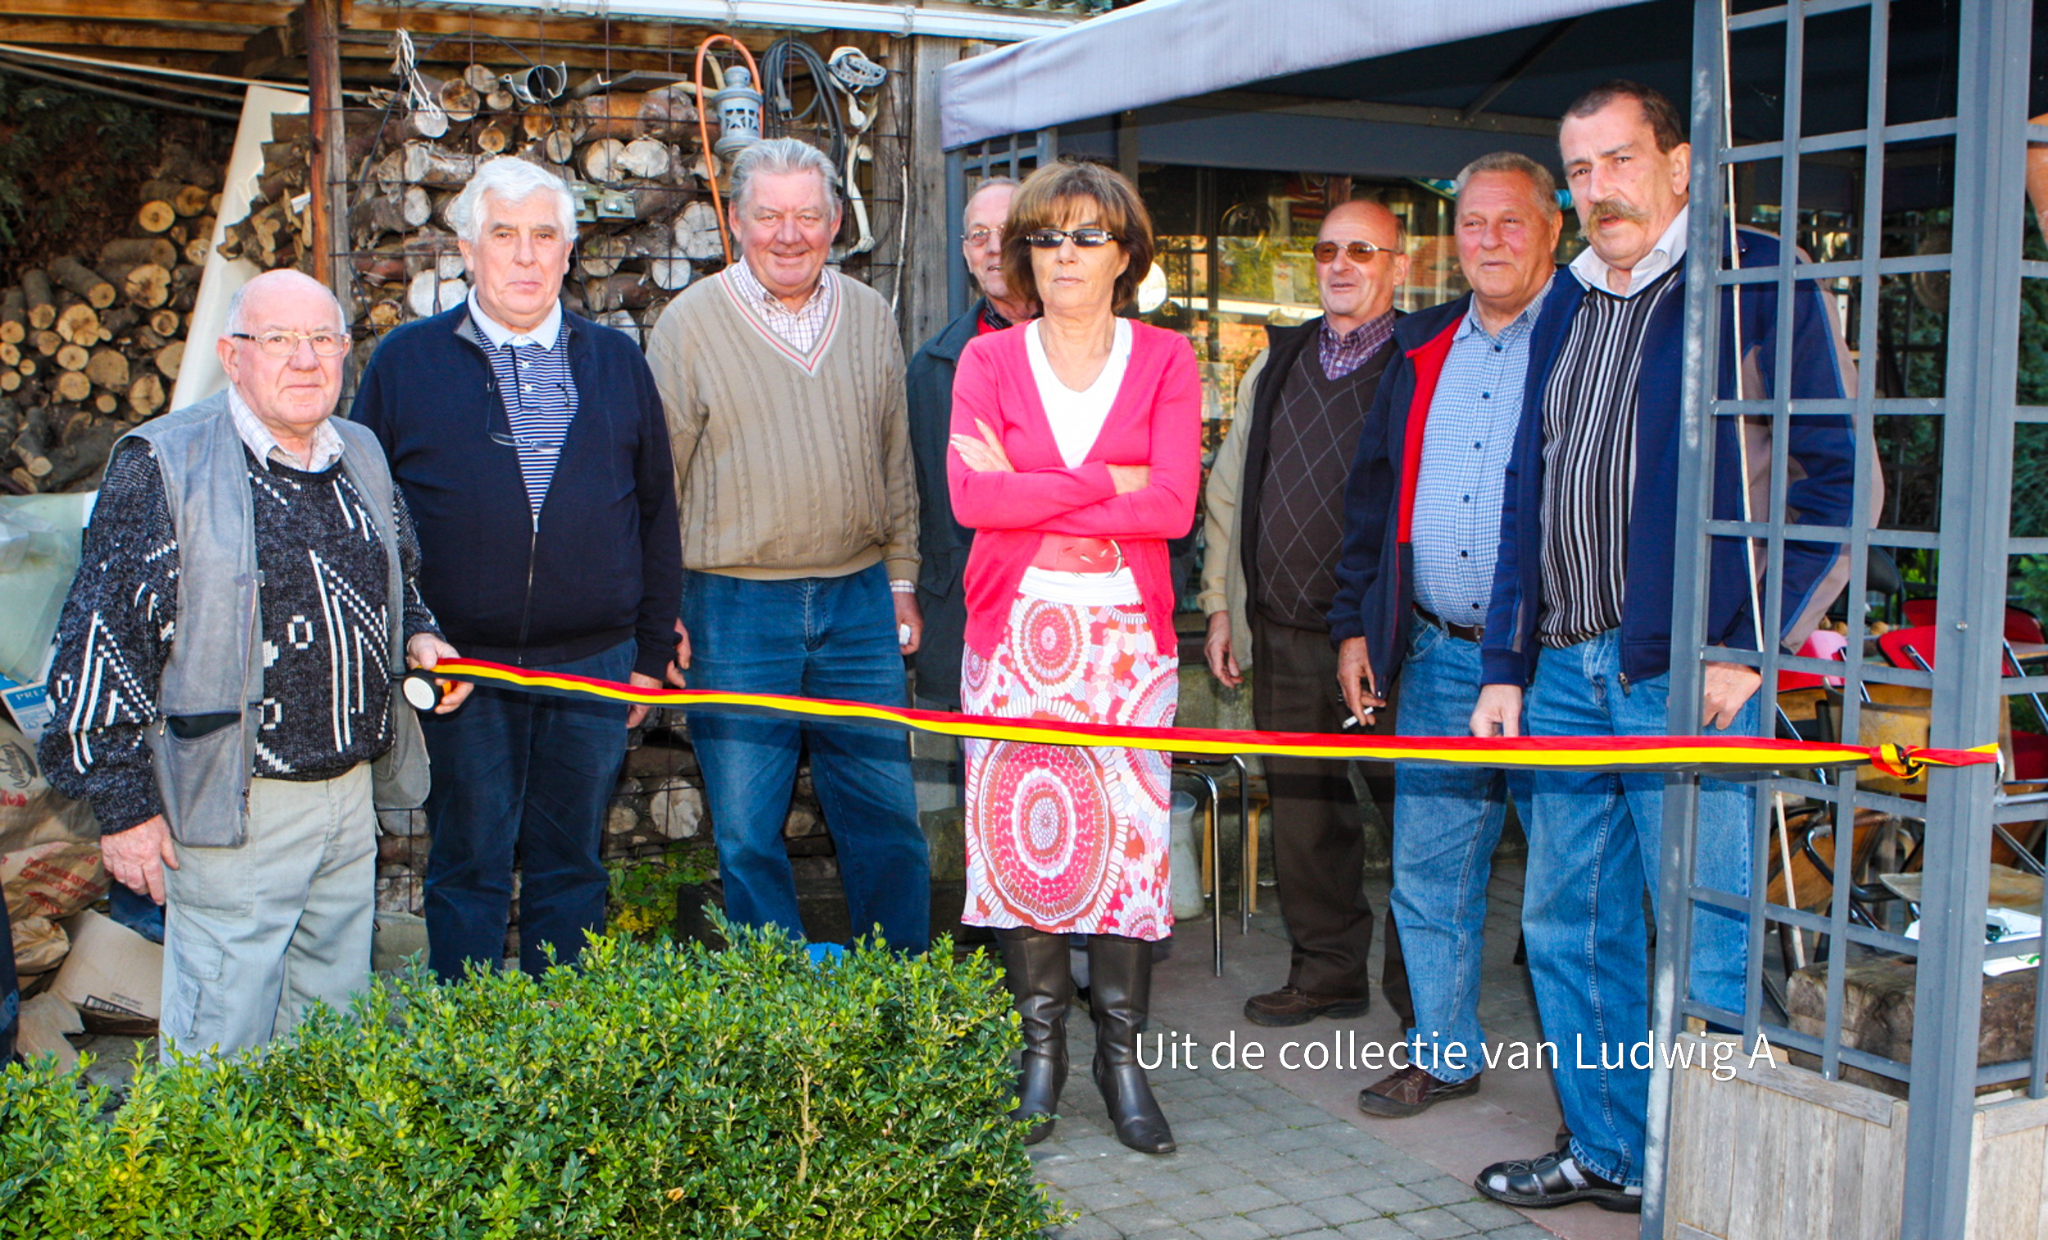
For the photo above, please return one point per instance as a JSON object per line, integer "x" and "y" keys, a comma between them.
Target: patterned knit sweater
{"x": 326, "y": 678}
{"x": 788, "y": 463}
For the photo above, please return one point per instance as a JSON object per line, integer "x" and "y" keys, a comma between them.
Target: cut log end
{"x": 156, "y": 216}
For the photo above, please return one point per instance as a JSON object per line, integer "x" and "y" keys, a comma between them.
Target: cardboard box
{"x": 113, "y": 976}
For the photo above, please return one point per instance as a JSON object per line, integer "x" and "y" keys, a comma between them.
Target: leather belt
{"x": 1070, "y": 554}
{"x": 1463, "y": 632}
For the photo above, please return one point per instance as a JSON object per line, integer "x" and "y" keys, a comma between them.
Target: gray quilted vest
{"x": 216, "y": 662}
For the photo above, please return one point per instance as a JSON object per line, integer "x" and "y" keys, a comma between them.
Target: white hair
{"x": 509, "y": 180}
{"x": 777, "y": 157}
{"x": 237, "y": 323}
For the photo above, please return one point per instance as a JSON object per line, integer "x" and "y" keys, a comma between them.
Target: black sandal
{"x": 1555, "y": 1179}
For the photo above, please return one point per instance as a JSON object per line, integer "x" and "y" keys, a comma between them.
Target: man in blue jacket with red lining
{"x": 1422, "y": 519}
{"x": 1584, "y": 578}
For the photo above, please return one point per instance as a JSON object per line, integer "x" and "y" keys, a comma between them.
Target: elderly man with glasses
{"x": 222, "y": 685}
{"x": 1274, "y": 527}
{"x": 530, "y": 444}
{"x": 942, "y": 541}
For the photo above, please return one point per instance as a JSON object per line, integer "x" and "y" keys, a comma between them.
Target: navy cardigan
{"x": 1821, "y": 444}
{"x": 603, "y": 561}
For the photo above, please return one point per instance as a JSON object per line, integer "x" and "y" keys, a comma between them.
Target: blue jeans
{"x": 1447, "y": 821}
{"x": 521, "y": 779}
{"x": 1595, "y": 839}
{"x": 824, "y": 637}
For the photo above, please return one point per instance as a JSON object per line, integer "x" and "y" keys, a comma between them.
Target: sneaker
{"x": 1555, "y": 1179}
{"x": 1291, "y": 1005}
{"x": 1411, "y": 1091}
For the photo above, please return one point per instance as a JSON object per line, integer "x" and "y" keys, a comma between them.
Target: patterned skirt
{"x": 1070, "y": 839}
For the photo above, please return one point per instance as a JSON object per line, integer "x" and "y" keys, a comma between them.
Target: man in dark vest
{"x": 222, "y": 686}
{"x": 1275, "y": 526}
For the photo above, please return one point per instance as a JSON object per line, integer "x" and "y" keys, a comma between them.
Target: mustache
{"x": 1614, "y": 208}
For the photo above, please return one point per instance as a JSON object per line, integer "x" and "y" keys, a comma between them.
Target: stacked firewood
{"x": 646, "y": 226}
{"x": 90, "y": 344}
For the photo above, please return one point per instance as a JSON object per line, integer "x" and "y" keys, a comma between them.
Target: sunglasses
{"x": 1359, "y": 251}
{"x": 1086, "y": 238}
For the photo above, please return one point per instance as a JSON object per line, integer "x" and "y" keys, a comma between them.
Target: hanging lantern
{"x": 739, "y": 113}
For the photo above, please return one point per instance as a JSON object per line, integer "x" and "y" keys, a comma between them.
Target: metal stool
{"x": 1199, "y": 766}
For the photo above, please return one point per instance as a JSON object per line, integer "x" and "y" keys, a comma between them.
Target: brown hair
{"x": 1049, "y": 195}
{"x": 1663, "y": 119}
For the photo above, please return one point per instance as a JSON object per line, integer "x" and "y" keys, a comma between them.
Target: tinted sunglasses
{"x": 1359, "y": 251}
{"x": 1086, "y": 238}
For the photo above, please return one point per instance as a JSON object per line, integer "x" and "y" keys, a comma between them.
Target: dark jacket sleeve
{"x": 1372, "y": 496}
{"x": 1506, "y": 654}
{"x": 112, "y": 641}
{"x": 661, "y": 540}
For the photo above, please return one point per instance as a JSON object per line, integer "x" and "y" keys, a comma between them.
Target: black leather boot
{"x": 1041, "y": 982}
{"x": 1120, "y": 992}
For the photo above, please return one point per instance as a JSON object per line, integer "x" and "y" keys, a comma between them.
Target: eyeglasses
{"x": 1086, "y": 238}
{"x": 1358, "y": 251}
{"x": 979, "y": 237}
{"x": 286, "y": 343}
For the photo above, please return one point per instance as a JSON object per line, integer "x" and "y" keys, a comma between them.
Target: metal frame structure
{"x": 1015, "y": 156}
{"x": 1976, "y": 414}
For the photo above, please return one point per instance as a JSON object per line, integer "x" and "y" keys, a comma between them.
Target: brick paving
{"x": 1255, "y": 1161}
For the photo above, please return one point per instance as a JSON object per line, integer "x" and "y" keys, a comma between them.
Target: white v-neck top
{"x": 1077, "y": 417}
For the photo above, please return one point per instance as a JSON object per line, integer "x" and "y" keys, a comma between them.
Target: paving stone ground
{"x": 1254, "y": 1161}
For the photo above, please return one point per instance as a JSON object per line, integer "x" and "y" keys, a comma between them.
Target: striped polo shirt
{"x": 539, "y": 391}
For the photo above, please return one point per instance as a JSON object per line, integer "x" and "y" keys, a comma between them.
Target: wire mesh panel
{"x": 1885, "y": 144}
{"x": 1016, "y": 157}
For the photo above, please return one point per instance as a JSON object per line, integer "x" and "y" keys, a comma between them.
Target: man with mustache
{"x": 1581, "y": 612}
{"x": 1274, "y": 523}
{"x": 943, "y": 542}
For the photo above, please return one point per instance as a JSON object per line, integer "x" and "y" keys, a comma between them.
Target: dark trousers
{"x": 521, "y": 779}
{"x": 1318, "y": 827}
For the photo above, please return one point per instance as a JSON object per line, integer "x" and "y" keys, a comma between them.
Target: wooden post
{"x": 923, "y": 308}
{"x": 328, "y": 213}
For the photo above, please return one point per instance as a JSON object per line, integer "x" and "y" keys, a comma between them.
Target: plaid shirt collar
{"x": 265, "y": 447}
{"x": 797, "y": 327}
{"x": 1346, "y": 353}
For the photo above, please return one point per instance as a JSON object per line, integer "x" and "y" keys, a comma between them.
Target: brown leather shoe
{"x": 1290, "y": 1005}
{"x": 1411, "y": 1091}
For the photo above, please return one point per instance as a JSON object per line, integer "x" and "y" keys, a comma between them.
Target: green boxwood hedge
{"x": 656, "y": 1090}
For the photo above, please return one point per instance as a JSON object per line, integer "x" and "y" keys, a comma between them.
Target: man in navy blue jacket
{"x": 1421, "y": 522}
{"x": 533, "y": 452}
{"x": 1581, "y": 614}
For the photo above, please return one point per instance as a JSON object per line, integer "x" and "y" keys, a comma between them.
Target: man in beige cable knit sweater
{"x": 784, "y": 389}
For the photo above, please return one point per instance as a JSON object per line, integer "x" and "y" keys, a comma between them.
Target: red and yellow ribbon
{"x": 1584, "y": 753}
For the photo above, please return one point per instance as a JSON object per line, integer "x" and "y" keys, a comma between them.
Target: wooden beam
{"x": 328, "y": 213}
{"x": 96, "y": 35}
{"x": 179, "y": 12}
{"x": 427, "y": 25}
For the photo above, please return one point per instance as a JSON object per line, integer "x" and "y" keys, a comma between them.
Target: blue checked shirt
{"x": 1465, "y": 448}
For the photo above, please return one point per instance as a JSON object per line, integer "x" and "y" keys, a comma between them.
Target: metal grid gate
{"x": 1972, "y": 133}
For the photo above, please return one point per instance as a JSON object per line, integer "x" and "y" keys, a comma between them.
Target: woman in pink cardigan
{"x": 1075, "y": 458}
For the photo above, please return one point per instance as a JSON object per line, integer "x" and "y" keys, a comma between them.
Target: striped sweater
{"x": 789, "y": 463}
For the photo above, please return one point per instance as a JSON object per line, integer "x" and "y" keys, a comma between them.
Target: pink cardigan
{"x": 1156, "y": 420}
